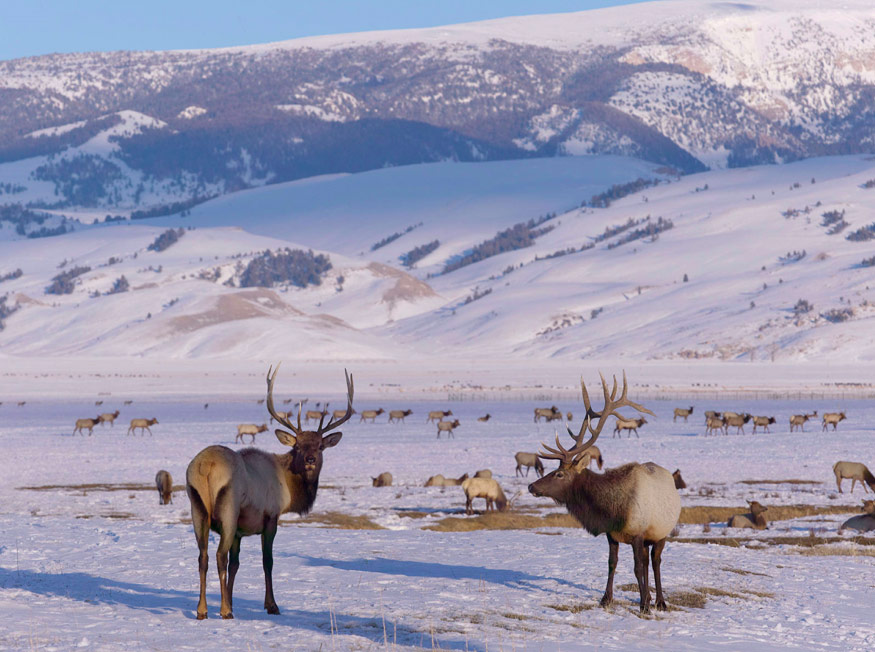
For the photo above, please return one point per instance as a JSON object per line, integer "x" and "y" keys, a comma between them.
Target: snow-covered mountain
{"x": 686, "y": 83}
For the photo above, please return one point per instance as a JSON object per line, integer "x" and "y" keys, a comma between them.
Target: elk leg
{"x": 233, "y": 565}
{"x": 639, "y": 551}
{"x": 853, "y": 484}
{"x": 201, "y": 522}
{"x": 469, "y": 509}
{"x": 613, "y": 555}
{"x": 656, "y": 560}
{"x": 839, "y": 484}
{"x": 267, "y": 537}
{"x": 227, "y": 528}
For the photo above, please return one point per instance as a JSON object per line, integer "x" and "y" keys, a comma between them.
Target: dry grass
{"x": 341, "y": 521}
{"x": 790, "y": 481}
{"x": 503, "y": 521}
{"x": 412, "y": 514}
{"x": 687, "y": 599}
{"x": 741, "y": 571}
{"x": 832, "y": 551}
{"x": 99, "y": 486}
{"x": 802, "y": 542}
{"x": 703, "y": 514}
{"x": 574, "y": 608}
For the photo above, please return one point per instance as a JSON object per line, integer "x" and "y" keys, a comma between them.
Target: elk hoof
{"x": 606, "y": 601}
{"x": 645, "y": 608}
{"x": 201, "y": 616}
{"x": 273, "y": 609}
{"x": 661, "y": 606}
{"x": 228, "y": 616}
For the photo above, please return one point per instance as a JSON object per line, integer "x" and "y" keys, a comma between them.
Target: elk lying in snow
{"x": 371, "y": 414}
{"x": 528, "y": 460}
{"x": 855, "y": 472}
{"x": 164, "y": 483}
{"x": 833, "y": 418}
{"x": 484, "y": 418}
{"x": 484, "y": 488}
{"x": 143, "y": 425}
{"x": 483, "y": 473}
{"x": 715, "y": 423}
{"x": 678, "y": 480}
{"x": 438, "y": 415}
{"x": 86, "y": 423}
{"x": 238, "y": 494}
{"x": 736, "y": 422}
{"x": 440, "y": 481}
{"x": 762, "y": 422}
{"x": 635, "y": 503}
{"x": 864, "y": 522}
{"x": 249, "y": 429}
{"x": 398, "y": 415}
{"x": 447, "y": 427}
{"x": 754, "y": 519}
{"x": 108, "y": 416}
{"x": 550, "y": 414}
{"x": 382, "y": 480}
{"x": 682, "y": 412}
{"x": 798, "y": 420}
{"x": 631, "y": 425}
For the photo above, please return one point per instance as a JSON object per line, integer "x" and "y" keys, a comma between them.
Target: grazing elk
{"x": 86, "y": 423}
{"x": 108, "y": 416}
{"x": 440, "y": 481}
{"x": 164, "y": 483}
{"x": 249, "y": 429}
{"x": 550, "y": 414}
{"x": 447, "y": 427}
{"x": 438, "y": 415}
{"x": 855, "y": 472}
{"x": 382, "y": 480}
{"x": 635, "y": 504}
{"x": 754, "y": 519}
{"x": 798, "y": 420}
{"x": 631, "y": 425}
{"x": 682, "y": 412}
{"x": 143, "y": 425}
{"x": 716, "y": 423}
{"x": 762, "y": 422}
{"x": 484, "y": 488}
{"x": 678, "y": 480}
{"x": 371, "y": 414}
{"x": 238, "y": 494}
{"x": 483, "y": 473}
{"x": 737, "y": 422}
{"x": 486, "y": 417}
{"x": 396, "y": 416}
{"x": 528, "y": 460}
{"x": 833, "y": 418}
{"x": 864, "y": 522}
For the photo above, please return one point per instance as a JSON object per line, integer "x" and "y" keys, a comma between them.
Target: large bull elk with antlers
{"x": 635, "y": 503}
{"x": 238, "y": 494}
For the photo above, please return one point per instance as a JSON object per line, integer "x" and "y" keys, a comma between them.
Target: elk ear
{"x": 286, "y": 438}
{"x": 581, "y": 464}
{"x": 331, "y": 440}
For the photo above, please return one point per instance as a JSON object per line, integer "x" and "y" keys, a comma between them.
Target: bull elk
{"x": 762, "y": 422}
{"x": 549, "y": 414}
{"x": 855, "y": 472}
{"x": 382, "y": 480}
{"x": 81, "y": 424}
{"x": 631, "y": 425}
{"x": 484, "y": 488}
{"x": 864, "y": 522}
{"x": 798, "y": 420}
{"x": 440, "y": 481}
{"x": 164, "y": 483}
{"x": 398, "y": 415}
{"x": 447, "y": 427}
{"x": 833, "y": 418}
{"x": 143, "y": 425}
{"x": 528, "y": 460}
{"x": 438, "y": 415}
{"x": 371, "y": 414}
{"x": 754, "y": 519}
{"x": 108, "y": 416}
{"x": 682, "y": 412}
{"x": 249, "y": 429}
{"x": 238, "y": 494}
{"x": 635, "y": 504}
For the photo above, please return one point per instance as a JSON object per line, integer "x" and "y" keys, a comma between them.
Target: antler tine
{"x": 300, "y": 409}
{"x": 322, "y": 418}
{"x": 281, "y": 420}
{"x": 332, "y": 424}
{"x": 612, "y": 404}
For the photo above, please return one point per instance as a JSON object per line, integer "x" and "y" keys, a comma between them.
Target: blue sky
{"x": 33, "y": 27}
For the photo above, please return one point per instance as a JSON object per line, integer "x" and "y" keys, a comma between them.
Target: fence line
{"x": 676, "y": 395}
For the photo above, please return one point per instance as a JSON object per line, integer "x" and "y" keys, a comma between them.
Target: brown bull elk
{"x": 833, "y": 418}
{"x": 549, "y": 414}
{"x": 238, "y": 494}
{"x": 143, "y": 425}
{"x": 798, "y": 420}
{"x": 855, "y": 472}
{"x": 164, "y": 483}
{"x": 398, "y": 415}
{"x": 108, "y": 416}
{"x": 864, "y": 522}
{"x": 440, "y": 481}
{"x": 737, "y": 422}
{"x": 682, "y": 412}
{"x": 754, "y": 519}
{"x": 249, "y": 429}
{"x": 82, "y": 424}
{"x": 635, "y": 503}
{"x": 447, "y": 427}
{"x": 484, "y": 488}
{"x": 371, "y": 414}
{"x": 438, "y": 415}
{"x": 631, "y": 425}
{"x": 762, "y": 422}
{"x": 715, "y": 423}
{"x": 382, "y": 480}
{"x": 528, "y": 460}
{"x": 678, "y": 480}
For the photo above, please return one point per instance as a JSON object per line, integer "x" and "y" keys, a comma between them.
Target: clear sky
{"x": 33, "y": 27}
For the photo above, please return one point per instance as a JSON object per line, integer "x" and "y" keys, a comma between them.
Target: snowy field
{"x": 89, "y": 560}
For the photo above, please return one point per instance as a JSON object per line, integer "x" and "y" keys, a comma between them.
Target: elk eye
{"x": 560, "y": 474}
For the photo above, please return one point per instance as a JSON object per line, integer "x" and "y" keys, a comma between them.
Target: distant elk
{"x": 21, "y": 403}
{"x": 855, "y": 472}
{"x": 164, "y": 483}
{"x": 260, "y": 401}
{"x": 440, "y": 481}
{"x": 483, "y": 473}
{"x": 484, "y": 488}
{"x": 447, "y": 427}
{"x": 528, "y": 460}
{"x": 711, "y": 414}
{"x": 438, "y": 415}
{"x": 284, "y": 415}
{"x": 569, "y": 416}
{"x": 242, "y": 493}
{"x": 98, "y": 403}
{"x": 249, "y": 429}
{"x": 371, "y": 414}
{"x": 315, "y": 415}
{"x": 631, "y": 425}
{"x": 833, "y": 418}
{"x": 128, "y": 402}
{"x": 337, "y": 414}
{"x": 143, "y": 425}
{"x": 754, "y": 519}
{"x": 382, "y": 480}
{"x": 715, "y": 423}
{"x": 206, "y": 405}
{"x": 550, "y": 414}
{"x": 682, "y": 412}
{"x": 108, "y": 416}
{"x": 678, "y": 480}
{"x": 635, "y": 504}
{"x": 398, "y": 415}
{"x": 737, "y": 421}
{"x": 486, "y": 417}
{"x": 798, "y": 420}
{"x": 82, "y": 424}
{"x": 762, "y": 422}
{"x": 864, "y": 522}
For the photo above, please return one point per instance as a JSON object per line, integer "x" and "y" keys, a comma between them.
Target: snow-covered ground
{"x": 88, "y": 562}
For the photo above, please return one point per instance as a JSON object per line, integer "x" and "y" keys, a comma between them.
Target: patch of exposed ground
{"x": 341, "y": 521}
{"x": 701, "y": 514}
{"x": 406, "y": 288}
{"x": 247, "y": 304}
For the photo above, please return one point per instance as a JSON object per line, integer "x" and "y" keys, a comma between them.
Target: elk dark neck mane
{"x": 598, "y": 500}
{"x": 303, "y": 493}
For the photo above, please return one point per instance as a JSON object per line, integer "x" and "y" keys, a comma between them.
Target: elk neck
{"x": 601, "y": 501}
{"x": 302, "y": 493}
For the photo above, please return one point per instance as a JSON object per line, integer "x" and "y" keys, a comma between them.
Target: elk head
{"x": 756, "y": 508}
{"x": 307, "y": 445}
{"x": 573, "y": 462}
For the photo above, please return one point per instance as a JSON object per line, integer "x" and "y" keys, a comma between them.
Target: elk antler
{"x": 280, "y": 419}
{"x": 332, "y": 424}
